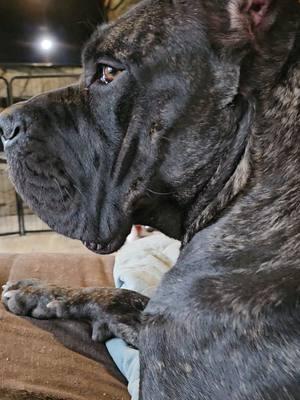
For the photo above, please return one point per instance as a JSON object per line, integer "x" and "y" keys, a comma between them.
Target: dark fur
{"x": 199, "y": 137}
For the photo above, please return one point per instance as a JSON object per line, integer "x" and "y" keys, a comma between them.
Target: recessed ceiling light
{"x": 46, "y": 44}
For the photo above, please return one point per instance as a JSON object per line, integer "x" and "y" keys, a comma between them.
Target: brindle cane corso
{"x": 186, "y": 119}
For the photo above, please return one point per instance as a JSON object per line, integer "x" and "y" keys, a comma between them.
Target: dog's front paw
{"x": 28, "y": 297}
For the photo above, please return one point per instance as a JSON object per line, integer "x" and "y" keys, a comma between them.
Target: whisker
{"x": 159, "y": 193}
{"x": 68, "y": 193}
{"x": 78, "y": 190}
{"x": 73, "y": 184}
{"x": 61, "y": 193}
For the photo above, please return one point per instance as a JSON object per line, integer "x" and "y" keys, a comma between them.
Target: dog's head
{"x": 158, "y": 121}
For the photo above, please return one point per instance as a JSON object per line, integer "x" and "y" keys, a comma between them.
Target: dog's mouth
{"x": 97, "y": 247}
{"x": 51, "y": 192}
{"x": 104, "y": 248}
{"x": 109, "y": 244}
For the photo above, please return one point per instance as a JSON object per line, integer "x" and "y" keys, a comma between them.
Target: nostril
{"x": 12, "y": 123}
{"x": 9, "y": 133}
{"x": 15, "y": 132}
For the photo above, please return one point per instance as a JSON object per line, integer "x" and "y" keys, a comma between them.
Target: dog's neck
{"x": 271, "y": 155}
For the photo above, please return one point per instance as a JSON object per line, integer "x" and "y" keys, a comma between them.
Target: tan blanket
{"x": 55, "y": 360}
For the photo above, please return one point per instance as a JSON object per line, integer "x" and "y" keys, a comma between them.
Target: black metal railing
{"x": 15, "y": 216}
{"x": 6, "y": 84}
{"x": 9, "y": 214}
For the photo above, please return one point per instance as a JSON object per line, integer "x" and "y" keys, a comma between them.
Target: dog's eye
{"x": 106, "y": 73}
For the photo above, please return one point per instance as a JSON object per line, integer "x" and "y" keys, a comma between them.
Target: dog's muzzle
{"x": 11, "y": 126}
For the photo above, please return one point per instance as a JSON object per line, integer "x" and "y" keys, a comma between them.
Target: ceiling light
{"x": 46, "y": 44}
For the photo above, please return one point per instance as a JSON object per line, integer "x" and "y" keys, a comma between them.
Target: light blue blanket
{"x": 139, "y": 266}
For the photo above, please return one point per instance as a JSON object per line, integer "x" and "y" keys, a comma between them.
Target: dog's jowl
{"x": 186, "y": 119}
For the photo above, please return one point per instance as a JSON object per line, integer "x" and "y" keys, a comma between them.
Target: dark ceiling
{"x": 25, "y": 23}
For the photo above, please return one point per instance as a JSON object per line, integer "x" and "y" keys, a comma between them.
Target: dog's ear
{"x": 251, "y": 17}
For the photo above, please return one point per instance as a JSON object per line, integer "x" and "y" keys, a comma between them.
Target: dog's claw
{"x": 8, "y": 294}
{"x": 6, "y": 285}
{"x": 56, "y": 306}
{"x": 20, "y": 298}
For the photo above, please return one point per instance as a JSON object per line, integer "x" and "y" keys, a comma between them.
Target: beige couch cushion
{"x": 55, "y": 360}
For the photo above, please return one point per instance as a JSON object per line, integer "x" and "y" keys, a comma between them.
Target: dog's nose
{"x": 11, "y": 124}
{"x": 9, "y": 131}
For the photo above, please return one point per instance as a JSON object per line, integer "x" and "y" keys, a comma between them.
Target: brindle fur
{"x": 199, "y": 137}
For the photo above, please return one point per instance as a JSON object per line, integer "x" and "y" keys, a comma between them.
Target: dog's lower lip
{"x": 97, "y": 247}
{"x": 105, "y": 247}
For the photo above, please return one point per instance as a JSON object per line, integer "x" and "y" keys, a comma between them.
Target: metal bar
{"x": 9, "y": 234}
{"x": 19, "y": 204}
{"x": 20, "y": 211}
{"x": 40, "y": 76}
{"x": 37, "y": 65}
{"x": 7, "y": 88}
{"x": 46, "y": 76}
{"x": 10, "y": 101}
{"x": 38, "y": 230}
{"x": 4, "y": 80}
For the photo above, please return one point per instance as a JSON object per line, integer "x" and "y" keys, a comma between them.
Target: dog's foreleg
{"x": 111, "y": 312}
